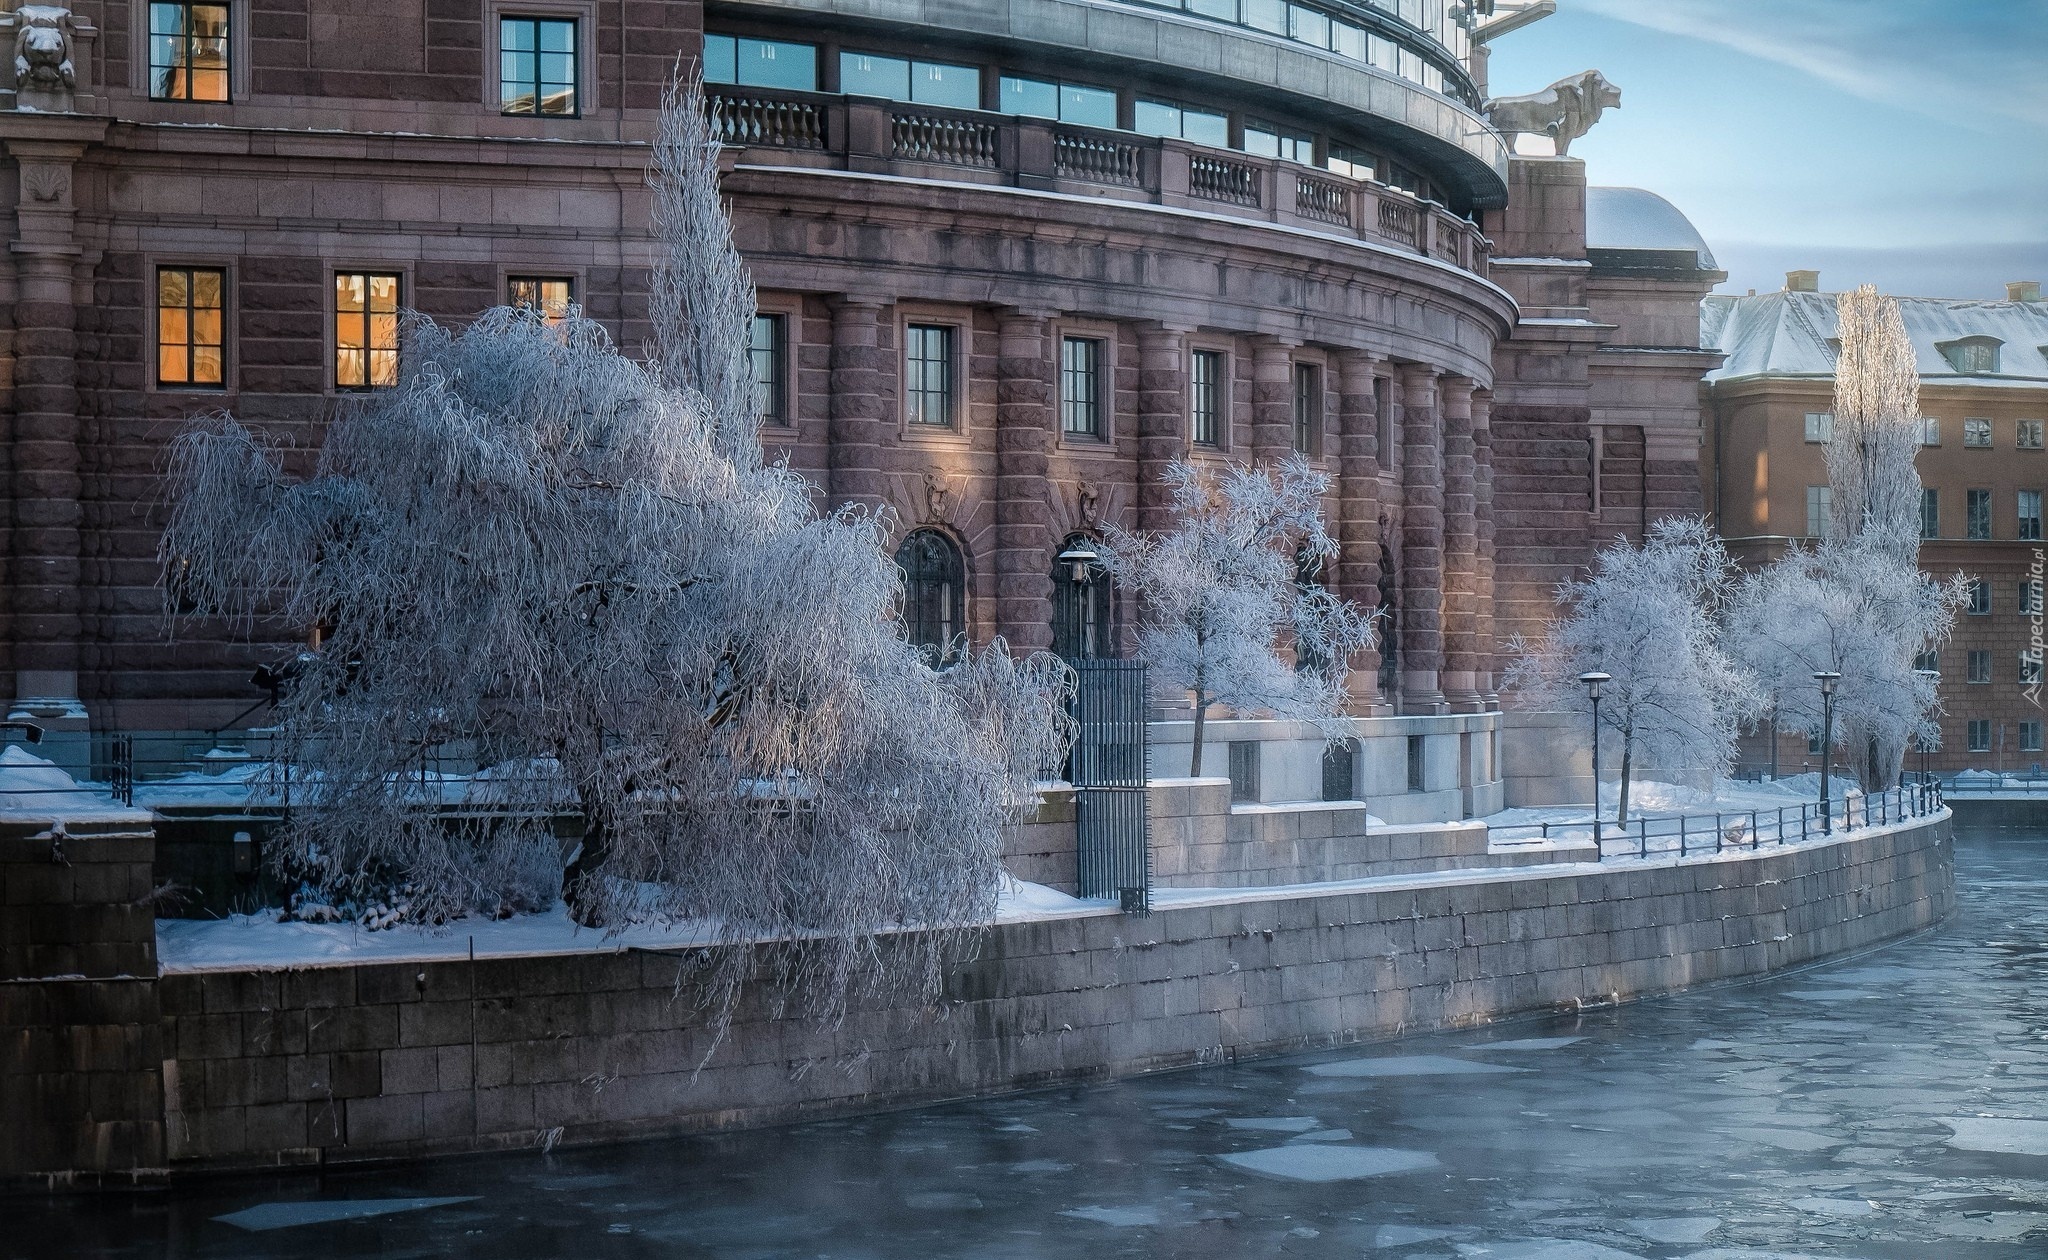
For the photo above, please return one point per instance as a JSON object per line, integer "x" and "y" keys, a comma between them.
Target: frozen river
{"x": 1890, "y": 1105}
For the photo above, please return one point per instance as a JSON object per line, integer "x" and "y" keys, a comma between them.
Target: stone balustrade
{"x": 898, "y": 138}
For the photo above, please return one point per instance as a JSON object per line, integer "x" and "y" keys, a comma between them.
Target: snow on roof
{"x": 1788, "y": 334}
{"x": 1636, "y": 218}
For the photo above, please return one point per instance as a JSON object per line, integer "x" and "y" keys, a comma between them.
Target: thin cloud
{"x": 1918, "y": 57}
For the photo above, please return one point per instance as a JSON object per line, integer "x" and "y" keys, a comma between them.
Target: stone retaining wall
{"x": 339, "y": 1063}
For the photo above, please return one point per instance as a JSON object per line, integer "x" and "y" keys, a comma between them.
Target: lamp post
{"x": 1081, "y": 559}
{"x": 1933, "y": 677}
{"x": 1594, "y": 679}
{"x": 1827, "y": 680}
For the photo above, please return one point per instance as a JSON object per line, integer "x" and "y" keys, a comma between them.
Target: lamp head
{"x": 1594, "y": 680}
{"x": 1827, "y": 680}
{"x": 1079, "y": 557}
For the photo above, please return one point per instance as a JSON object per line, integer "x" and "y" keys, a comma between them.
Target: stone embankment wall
{"x": 339, "y": 1063}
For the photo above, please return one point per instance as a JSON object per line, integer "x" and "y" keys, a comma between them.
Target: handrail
{"x": 868, "y": 134}
{"x": 1684, "y": 835}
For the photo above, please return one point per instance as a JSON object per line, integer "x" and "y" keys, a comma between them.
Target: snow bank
{"x": 31, "y": 785}
{"x": 1652, "y": 799}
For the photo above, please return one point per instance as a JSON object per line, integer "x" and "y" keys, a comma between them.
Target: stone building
{"x": 1983, "y": 466}
{"x": 1014, "y": 257}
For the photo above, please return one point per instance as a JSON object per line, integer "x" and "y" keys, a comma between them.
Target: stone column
{"x": 47, "y": 622}
{"x": 860, "y": 413}
{"x": 1162, "y": 417}
{"x": 1358, "y": 506}
{"x": 1482, "y": 485}
{"x": 1024, "y": 419}
{"x": 1422, "y": 543}
{"x": 1461, "y": 547}
{"x": 1272, "y": 400}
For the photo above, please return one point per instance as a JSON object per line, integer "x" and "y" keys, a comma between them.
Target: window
{"x": 547, "y": 297}
{"x": 1206, "y": 384}
{"x": 1930, "y": 431}
{"x": 191, "y": 326}
{"x": 1081, "y": 386}
{"x": 767, "y": 357}
{"x": 1356, "y": 163}
{"x": 1980, "y": 598}
{"x": 1068, "y": 102}
{"x": 188, "y": 52}
{"x": 1274, "y": 143}
{"x": 1976, "y": 432}
{"x": 1813, "y": 744}
{"x": 1820, "y": 426}
{"x": 537, "y": 66}
{"x": 1820, "y": 504}
{"x": 1308, "y": 26}
{"x": 1081, "y": 629}
{"x": 1930, "y": 661}
{"x": 1980, "y": 735}
{"x": 934, "y": 594}
{"x": 2030, "y": 668}
{"x": 1977, "y": 514}
{"x": 1972, "y": 356}
{"x": 769, "y": 63}
{"x": 1266, "y": 15}
{"x": 1980, "y": 665}
{"x": 928, "y": 374}
{"x": 898, "y": 79}
{"x": 2030, "y": 515}
{"x": 365, "y": 329}
{"x": 1244, "y": 770}
{"x": 1308, "y": 408}
{"x": 1416, "y": 776}
{"x": 2029, "y": 597}
{"x": 1160, "y": 118}
{"x": 1340, "y": 770}
{"x": 2030, "y": 735}
{"x": 2028, "y": 434}
{"x": 1930, "y": 512}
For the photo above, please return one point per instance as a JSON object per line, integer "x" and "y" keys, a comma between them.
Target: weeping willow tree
{"x": 574, "y": 570}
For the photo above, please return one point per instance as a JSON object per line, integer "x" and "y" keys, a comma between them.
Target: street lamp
{"x": 1594, "y": 680}
{"x": 1827, "y": 680}
{"x": 1933, "y": 677}
{"x": 1079, "y": 557}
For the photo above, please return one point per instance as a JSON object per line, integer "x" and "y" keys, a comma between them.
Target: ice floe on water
{"x": 268, "y": 1216}
{"x": 1409, "y": 1065}
{"x": 1999, "y": 1135}
{"x": 1275, "y": 1124}
{"x": 1316, "y": 1162}
{"x": 1528, "y": 1043}
{"x": 1674, "y": 1230}
{"x": 1121, "y": 1217}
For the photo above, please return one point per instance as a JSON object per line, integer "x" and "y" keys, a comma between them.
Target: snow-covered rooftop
{"x": 1788, "y": 334}
{"x": 1635, "y": 218}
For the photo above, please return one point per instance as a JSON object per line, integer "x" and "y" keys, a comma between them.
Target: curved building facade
{"x": 1015, "y": 257}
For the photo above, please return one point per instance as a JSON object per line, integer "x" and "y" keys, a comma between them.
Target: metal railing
{"x": 1683, "y": 835}
{"x": 865, "y": 134}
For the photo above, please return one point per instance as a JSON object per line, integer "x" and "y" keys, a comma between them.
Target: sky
{"x": 1901, "y": 143}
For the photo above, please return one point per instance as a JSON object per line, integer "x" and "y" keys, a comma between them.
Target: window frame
{"x": 1090, "y": 364}
{"x": 331, "y": 301}
{"x": 2030, "y": 435}
{"x": 2029, "y": 527}
{"x": 1824, "y": 496}
{"x": 961, "y": 324}
{"x": 2030, "y": 735}
{"x": 791, "y": 312}
{"x": 1979, "y": 607}
{"x": 1930, "y": 513}
{"x": 154, "y": 269}
{"x": 1978, "y": 667}
{"x": 511, "y": 278}
{"x": 535, "y": 20}
{"x": 237, "y": 49}
{"x": 1973, "y": 427}
{"x": 1225, "y": 393}
{"x": 1930, "y": 430}
{"x": 1820, "y": 427}
{"x": 958, "y": 612}
{"x": 1315, "y": 428}
{"x": 1977, "y": 525}
{"x": 589, "y": 84}
{"x": 818, "y": 65}
{"x": 1971, "y": 732}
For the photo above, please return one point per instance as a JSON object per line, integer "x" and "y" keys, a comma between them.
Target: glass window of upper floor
{"x": 188, "y": 52}
{"x": 1074, "y": 103}
{"x": 1163, "y": 118}
{"x": 537, "y": 66}
{"x": 1269, "y": 141}
{"x": 901, "y": 79}
{"x": 1976, "y": 432}
{"x": 768, "y": 63}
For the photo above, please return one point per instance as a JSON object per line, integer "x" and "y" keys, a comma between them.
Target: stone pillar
{"x": 1482, "y": 485}
{"x": 47, "y": 622}
{"x": 1024, "y": 420}
{"x": 1422, "y": 543}
{"x": 1162, "y": 418}
{"x": 1272, "y": 400}
{"x": 1358, "y": 506}
{"x": 1461, "y": 547}
{"x": 860, "y": 413}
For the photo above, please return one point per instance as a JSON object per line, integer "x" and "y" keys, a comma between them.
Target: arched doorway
{"x": 1083, "y": 606}
{"x": 934, "y": 593}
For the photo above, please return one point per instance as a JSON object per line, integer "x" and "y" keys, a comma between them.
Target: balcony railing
{"x": 892, "y": 137}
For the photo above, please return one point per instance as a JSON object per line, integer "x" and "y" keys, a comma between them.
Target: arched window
{"x": 1082, "y": 629}
{"x": 934, "y": 593}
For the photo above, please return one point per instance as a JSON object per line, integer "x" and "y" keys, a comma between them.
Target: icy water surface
{"x": 1890, "y": 1105}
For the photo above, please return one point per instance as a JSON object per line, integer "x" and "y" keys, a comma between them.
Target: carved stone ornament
{"x": 42, "y": 49}
{"x": 45, "y": 183}
{"x": 1087, "y": 498}
{"x": 1564, "y": 111}
{"x": 935, "y": 492}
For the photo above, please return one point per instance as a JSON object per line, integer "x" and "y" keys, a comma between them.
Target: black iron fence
{"x": 1682, "y": 835}
{"x": 1112, "y": 828}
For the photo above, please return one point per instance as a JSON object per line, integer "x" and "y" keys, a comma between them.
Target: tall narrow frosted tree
{"x": 1218, "y": 592}
{"x": 1876, "y": 433}
{"x": 1646, "y": 616}
{"x": 540, "y": 556}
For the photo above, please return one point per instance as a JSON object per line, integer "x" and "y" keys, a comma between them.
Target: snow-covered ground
{"x": 1991, "y": 784}
{"x": 1669, "y": 800}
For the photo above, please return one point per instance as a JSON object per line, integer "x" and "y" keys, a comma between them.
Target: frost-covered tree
{"x": 1876, "y": 429}
{"x": 542, "y": 557}
{"x": 1646, "y": 616}
{"x": 1855, "y": 610}
{"x": 1216, "y": 593}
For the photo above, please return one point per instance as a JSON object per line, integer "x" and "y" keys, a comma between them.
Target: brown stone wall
{"x": 1542, "y": 492}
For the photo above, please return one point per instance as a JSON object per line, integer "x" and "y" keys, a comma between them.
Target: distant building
{"x": 1983, "y": 463}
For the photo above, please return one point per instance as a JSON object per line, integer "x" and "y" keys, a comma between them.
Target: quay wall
{"x": 328, "y": 1064}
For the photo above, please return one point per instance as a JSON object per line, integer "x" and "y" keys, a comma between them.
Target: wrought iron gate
{"x": 1112, "y": 829}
